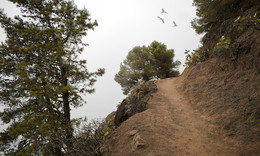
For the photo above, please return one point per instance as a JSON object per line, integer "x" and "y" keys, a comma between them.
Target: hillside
{"x": 170, "y": 126}
{"x": 213, "y": 108}
{"x": 174, "y": 125}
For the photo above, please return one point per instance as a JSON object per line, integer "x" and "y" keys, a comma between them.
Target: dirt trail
{"x": 168, "y": 127}
{"x": 177, "y": 128}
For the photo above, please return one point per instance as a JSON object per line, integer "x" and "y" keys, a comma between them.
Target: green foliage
{"x": 231, "y": 39}
{"x": 91, "y": 136}
{"x": 162, "y": 61}
{"x": 255, "y": 19}
{"x": 188, "y": 61}
{"x": 146, "y": 63}
{"x": 109, "y": 125}
{"x": 140, "y": 90}
{"x": 41, "y": 76}
{"x": 224, "y": 22}
{"x": 195, "y": 57}
{"x": 224, "y": 40}
{"x": 228, "y": 44}
{"x": 214, "y": 12}
{"x": 89, "y": 139}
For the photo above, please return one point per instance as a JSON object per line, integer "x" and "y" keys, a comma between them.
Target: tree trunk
{"x": 66, "y": 108}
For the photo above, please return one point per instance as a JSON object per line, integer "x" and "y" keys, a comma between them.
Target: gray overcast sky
{"x": 124, "y": 24}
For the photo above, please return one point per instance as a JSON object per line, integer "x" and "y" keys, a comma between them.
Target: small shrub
{"x": 91, "y": 136}
{"x": 195, "y": 57}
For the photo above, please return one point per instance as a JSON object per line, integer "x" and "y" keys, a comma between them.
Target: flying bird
{"x": 163, "y": 11}
{"x": 174, "y": 23}
{"x": 161, "y": 19}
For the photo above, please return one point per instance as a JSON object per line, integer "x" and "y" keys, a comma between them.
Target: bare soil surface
{"x": 189, "y": 132}
{"x": 168, "y": 127}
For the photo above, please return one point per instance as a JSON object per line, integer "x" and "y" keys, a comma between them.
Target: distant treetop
{"x": 146, "y": 63}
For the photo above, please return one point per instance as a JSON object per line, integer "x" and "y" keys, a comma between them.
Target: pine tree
{"x": 163, "y": 63}
{"x": 146, "y": 63}
{"x": 41, "y": 76}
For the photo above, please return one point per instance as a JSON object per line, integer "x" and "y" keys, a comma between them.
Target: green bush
{"x": 147, "y": 63}
{"x": 90, "y": 137}
{"x": 195, "y": 57}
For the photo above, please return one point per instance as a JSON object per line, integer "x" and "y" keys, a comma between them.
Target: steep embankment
{"x": 228, "y": 93}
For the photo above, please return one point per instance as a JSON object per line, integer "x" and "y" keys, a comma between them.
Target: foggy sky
{"x": 122, "y": 25}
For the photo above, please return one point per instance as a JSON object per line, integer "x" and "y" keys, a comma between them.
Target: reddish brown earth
{"x": 170, "y": 126}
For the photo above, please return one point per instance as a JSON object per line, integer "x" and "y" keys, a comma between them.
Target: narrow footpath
{"x": 169, "y": 127}
{"x": 185, "y": 131}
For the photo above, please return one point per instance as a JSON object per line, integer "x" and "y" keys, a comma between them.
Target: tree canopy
{"x": 212, "y": 12}
{"x": 41, "y": 76}
{"x": 145, "y": 63}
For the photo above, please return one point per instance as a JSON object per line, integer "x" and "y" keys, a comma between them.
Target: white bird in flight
{"x": 163, "y": 11}
{"x": 161, "y": 19}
